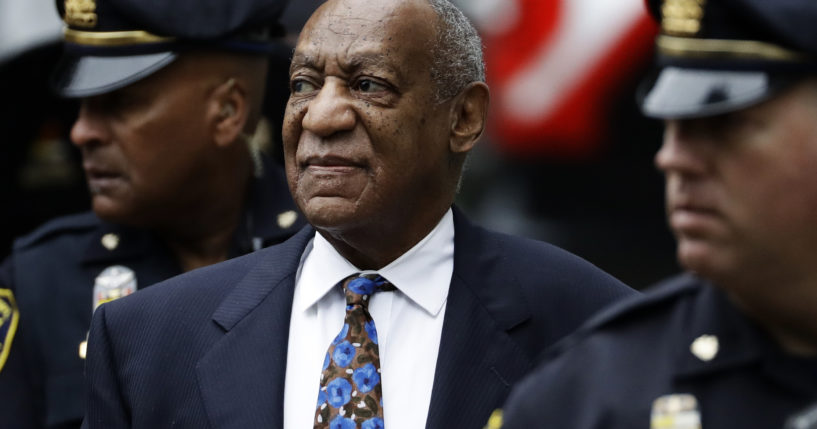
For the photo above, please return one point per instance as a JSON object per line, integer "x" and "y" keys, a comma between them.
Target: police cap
{"x": 109, "y": 44}
{"x": 717, "y": 56}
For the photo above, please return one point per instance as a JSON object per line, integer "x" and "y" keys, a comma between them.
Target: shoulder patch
{"x": 59, "y": 225}
{"x": 9, "y": 317}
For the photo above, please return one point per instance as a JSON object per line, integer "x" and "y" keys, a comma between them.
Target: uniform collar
{"x": 114, "y": 243}
{"x": 713, "y": 316}
{"x": 741, "y": 343}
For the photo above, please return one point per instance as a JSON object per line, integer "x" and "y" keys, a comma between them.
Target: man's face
{"x": 364, "y": 142}
{"x": 741, "y": 191}
{"x": 144, "y": 146}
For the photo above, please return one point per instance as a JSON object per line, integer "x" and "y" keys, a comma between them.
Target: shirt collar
{"x": 423, "y": 273}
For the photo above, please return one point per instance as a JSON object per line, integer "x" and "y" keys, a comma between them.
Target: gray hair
{"x": 457, "y": 56}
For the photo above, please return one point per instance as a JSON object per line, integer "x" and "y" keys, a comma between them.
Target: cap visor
{"x": 679, "y": 93}
{"x": 87, "y": 76}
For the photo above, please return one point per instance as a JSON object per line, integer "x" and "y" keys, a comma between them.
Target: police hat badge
{"x": 9, "y": 318}
{"x": 676, "y": 411}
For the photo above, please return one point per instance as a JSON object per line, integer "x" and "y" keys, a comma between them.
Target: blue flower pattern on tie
{"x": 366, "y": 378}
{"x": 343, "y": 355}
{"x": 351, "y": 396}
{"x": 340, "y": 422}
{"x": 339, "y": 392}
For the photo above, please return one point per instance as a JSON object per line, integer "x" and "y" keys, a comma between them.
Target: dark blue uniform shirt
{"x": 680, "y": 353}
{"x": 52, "y": 272}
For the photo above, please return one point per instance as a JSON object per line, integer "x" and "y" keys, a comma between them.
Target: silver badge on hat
{"x": 113, "y": 283}
{"x": 676, "y": 411}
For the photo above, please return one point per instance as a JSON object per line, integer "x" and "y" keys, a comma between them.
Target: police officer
{"x": 733, "y": 342}
{"x": 171, "y": 93}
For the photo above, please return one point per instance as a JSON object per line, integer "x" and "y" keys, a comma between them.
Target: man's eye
{"x": 302, "y": 86}
{"x": 368, "y": 85}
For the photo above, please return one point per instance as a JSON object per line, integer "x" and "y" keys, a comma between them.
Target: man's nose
{"x": 680, "y": 152}
{"x": 90, "y": 127}
{"x": 331, "y": 110}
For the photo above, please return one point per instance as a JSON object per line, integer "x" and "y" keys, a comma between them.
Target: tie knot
{"x": 360, "y": 287}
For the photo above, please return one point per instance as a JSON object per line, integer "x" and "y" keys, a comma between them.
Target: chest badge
{"x": 806, "y": 419}
{"x": 676, "y": 411}
{"x": 112, "y": 283}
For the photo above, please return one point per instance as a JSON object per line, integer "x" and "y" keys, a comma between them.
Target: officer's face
{"x": 365, "y": 144}
{"x": 741, "y": 191}
{"x": 144, "y": 146}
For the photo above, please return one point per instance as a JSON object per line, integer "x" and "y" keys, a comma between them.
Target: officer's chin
{"x": 111, "y": 210}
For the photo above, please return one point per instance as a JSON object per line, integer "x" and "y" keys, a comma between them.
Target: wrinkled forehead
{"x": 388, "y": 27}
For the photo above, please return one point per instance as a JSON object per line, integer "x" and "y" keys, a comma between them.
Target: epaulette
{"x": 654, "y": 299}
{"x": 60, "y": 225}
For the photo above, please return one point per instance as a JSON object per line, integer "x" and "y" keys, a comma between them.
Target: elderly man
{"x": 732, "y": 344}
{"x": 391, "y": 309}
{"x": 168, "y": 103}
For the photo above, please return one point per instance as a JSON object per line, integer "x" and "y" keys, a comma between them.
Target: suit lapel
{"x": 478, "y": 361}
{"x": 241, "y": 378}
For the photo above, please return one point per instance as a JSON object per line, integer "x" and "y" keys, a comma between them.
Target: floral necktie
{"x": 350, "y": 395}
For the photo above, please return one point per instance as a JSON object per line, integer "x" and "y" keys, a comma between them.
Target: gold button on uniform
{"x": 286, "y": 219}
{"x": 705, "y": 347}
{"x": 110, "y": 241}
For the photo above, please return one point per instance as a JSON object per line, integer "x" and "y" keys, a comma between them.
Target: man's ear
{"x": 469, "y": 110}
{"x": 229, "y": 111}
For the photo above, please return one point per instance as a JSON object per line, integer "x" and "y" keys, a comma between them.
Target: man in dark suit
{"x": 732, "y": 343}
{"x": 387, "y": 99}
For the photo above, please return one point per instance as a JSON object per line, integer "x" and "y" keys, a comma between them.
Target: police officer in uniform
{"x": 171, "y": 94}
{"x": 733, "y": 342}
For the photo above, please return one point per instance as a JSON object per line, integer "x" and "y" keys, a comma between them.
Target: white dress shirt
{"x": 409, "y": 324}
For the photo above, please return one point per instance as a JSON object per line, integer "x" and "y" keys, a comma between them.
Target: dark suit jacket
{"x": 208, "y": 349}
